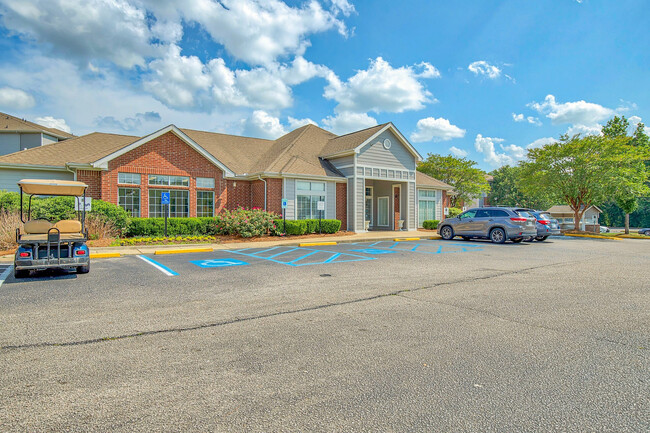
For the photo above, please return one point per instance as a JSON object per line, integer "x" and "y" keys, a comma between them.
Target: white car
{"x": 604, "y": 229}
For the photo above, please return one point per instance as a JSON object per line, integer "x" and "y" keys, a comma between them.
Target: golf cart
{"x": 43, "y": 245}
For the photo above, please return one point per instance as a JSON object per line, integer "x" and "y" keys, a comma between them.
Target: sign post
{"x": 321, "y": 208}
{"x": 164, "y": 199}
{"x": 284, "y": 215}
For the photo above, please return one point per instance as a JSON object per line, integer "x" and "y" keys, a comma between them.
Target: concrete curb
{"x": 591, "y": 236}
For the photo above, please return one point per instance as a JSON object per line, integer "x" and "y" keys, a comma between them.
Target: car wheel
{"x": 447, "y": 233}
{"x": 83, "y": 269}
{"x": 23, "y": 273}
{"x": 541, "y": 238}
{"x": 498, "y": 236}
{"x": 517, "y": 240}
{"x": 530, "y": 239}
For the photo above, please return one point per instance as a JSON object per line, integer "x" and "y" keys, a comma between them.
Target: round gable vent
{"x": 387, "y": 144}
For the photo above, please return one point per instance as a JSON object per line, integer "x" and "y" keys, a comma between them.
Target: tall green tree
{"x": 616, "y": 127}
{"x": 469, "y": 182}
{"x": 583, "y": 171}
{"x": 506, "y": 190}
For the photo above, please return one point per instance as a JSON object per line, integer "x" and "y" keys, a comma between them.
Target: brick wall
{"x": 396, "y": 208}
{"x": 167, "y": 155}
{"x": 236, "y": 196}
{"x": 342, "y": 204}
{"x": 257, "y": 194}
{"x": 274, "y": 195}
{"x": 94, "y": 181}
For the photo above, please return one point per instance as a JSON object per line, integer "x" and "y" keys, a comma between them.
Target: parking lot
{"x": 375, "y": 336}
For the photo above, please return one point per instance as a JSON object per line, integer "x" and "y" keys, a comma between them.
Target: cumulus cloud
{"x": 541, "y": 142}
{"x": 487, "y": 146}
{"x": 595, "y": 129}
{"x": 15, "y": 99}
{"x": 458, "y": 152}
{"x": 382, "y": 88}
{"x": 51, "y": 122}
{"x": 530, "y": 119}
{"x": 345, "y": 122}
{"x": 263, "y": 125}
{"x": 481, "y": 67}
{"x": 577, "y": 113}
{"x": 297, "y": 123}
{"x": 434, "y": 129}
{"x": 128, "y": 124}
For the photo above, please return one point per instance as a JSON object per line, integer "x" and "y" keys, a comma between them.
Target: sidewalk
{"x": 357, "y": 237}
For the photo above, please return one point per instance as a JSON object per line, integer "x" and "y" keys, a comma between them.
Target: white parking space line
{"x": 5, "y": 274}
{"x": 162, "y": 268}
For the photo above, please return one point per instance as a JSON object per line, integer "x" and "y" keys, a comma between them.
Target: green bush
{"x": 175, "y": 227}
{"x": 330, "y": 226}
{"x": 110, "y": 212}
{"x": 454, "y": 211}
{"x": 245, "y": 222}
{"x": 9, "y": 201}
{"x": 300, "y": 227}
{"x": 430, "y": 224}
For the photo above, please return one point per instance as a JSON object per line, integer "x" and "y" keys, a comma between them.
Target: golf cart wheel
{"x": 23, "y": 273}
{"x": 83, "y": 269}
{"x": 517, "y": 240}
{"x": 498, "y": 236}
{"x": 541, "y": 238}
{"x": 447, "y": 233}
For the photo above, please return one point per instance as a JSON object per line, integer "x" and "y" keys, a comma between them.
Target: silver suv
{"x": 495, "y": 223}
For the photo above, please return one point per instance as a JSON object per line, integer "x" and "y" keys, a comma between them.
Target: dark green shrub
{"x": 175, "y": 227}
{"x": 330, "y": 226}
{"x": 51, "y": 208}
{"x": 9, "y": 201}
{"x": 110, "y": 212}
{"x": 300, "y": 227}
{"x": 245, "y": 222}
{"x": 430, "y": 224}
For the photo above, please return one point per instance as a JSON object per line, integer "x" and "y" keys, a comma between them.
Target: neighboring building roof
{"x": 82, "y": 150}
{"x": 567, "y": 209}
{"x": 424, "y": 180}
{"x": 9, "y": 123}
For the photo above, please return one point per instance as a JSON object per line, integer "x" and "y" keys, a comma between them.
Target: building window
{"x": 205, "y": 203}
{"x": 128, "y": 178}
{"x": 129, "y": 200}
{"x": 382, "y": 211}
{"x": 426, "y": 205}
{"x": 179, "y": 205}
{"x": 205, "y": 182}
{"x": 368, "y": 171}
{"x": 308, "y": 196}
{"x": 159, "y": 179}
{"x": 368, "y": 207}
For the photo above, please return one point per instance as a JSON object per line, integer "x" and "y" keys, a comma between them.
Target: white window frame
{"x": 169, "y": 177}
{"x": 310, "y": 192}
{"x": 204, "y": 191}
{"x": 139, "y": 177}
{"x": 203, "y": 179}
{"x": 433, "y": 199}
{"x": 387, "y": 198}
{"x": 139, "y": 201}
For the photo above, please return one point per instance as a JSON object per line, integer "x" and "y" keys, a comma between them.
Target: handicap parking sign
{"x": 164, "y": 198}
{"x": 218, "y": 263}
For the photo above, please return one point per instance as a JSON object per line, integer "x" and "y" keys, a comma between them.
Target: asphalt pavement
{"x": 384, "y": 336}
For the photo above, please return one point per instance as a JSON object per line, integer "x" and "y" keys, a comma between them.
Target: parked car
{"x": 498, "y": 224}
{"x": 644, "y": 232}
{"x": 604, "y": 229}
{"x": 546, "y": 225}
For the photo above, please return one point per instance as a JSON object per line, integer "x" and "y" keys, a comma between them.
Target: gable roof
{"x": 567, "y": 209}
{"x": 81, "y": 150}
{"x": 425, "y": 180}
{"x": 9, "y": 123}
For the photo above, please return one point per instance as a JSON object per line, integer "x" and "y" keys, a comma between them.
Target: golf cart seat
{"x": 36, "y": 230}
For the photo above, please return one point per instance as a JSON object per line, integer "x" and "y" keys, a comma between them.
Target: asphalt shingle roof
{"x": 9, "y": 123}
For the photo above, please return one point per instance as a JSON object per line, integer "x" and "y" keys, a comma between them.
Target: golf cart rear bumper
{"x": 52, "y": 263}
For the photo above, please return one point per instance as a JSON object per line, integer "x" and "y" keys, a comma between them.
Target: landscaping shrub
{"x": 330, "y": 226}
{"x": 110, "y": 213}
{"x": 430, "y": 224}
{"x": 9, "y": 222}
{"x": 9, "y": 201}
{"x": 301, "y": 227}
{"x": 454, "y": 211}
{"x": 175, "y": 227}
{"x": 245, "y": 222}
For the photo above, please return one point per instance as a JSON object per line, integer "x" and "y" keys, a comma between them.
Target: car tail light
{"x": 25, "y": 254}
{"x": 545, "y": 222}
{"x": 519, "y": 219}
{"x": 80, "y": 252}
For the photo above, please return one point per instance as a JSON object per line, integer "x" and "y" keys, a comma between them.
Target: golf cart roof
{"x": 52, "y": 187}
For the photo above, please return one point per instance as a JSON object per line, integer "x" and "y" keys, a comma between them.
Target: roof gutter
{"x": 32, "y": 166}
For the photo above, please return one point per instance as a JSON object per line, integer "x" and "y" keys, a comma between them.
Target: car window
{"x": 482, "y": 213}
{"x": 468, "y": 214}
{"x": 523, "y": 213}
{"x": 542, "y": 216}
{"x": 498, "y": 213}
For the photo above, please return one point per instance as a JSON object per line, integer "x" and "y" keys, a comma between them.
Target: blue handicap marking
{"x": 373, "y": 251}
{"x": 164, "y": 198}
{"x": 218, "y": 263}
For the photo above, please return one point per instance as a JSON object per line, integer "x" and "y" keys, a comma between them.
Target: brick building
{"x": 367, "y": 179}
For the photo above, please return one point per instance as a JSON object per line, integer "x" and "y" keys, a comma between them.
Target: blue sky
{"x": 485, "y": 79}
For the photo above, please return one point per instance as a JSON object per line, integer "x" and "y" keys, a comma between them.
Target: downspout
{"x": 259, "y": 176}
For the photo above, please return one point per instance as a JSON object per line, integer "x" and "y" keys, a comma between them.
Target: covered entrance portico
{"x": 385, "y": 205}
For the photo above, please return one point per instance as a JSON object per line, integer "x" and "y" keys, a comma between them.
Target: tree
{"x": 640, "y": 138}
{"x": 468, "y": 181}
{"x": 583, "y": 171}
{"x": 616, "y": 127}
{"x": 506, "y": 190}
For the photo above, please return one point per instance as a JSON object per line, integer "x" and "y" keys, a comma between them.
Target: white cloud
{"x": 345, "y": 122}
{"x": 482, "y": 67}
{"x": 15, "y": 99}
{"x": 540, "y": 142}
{"x": 577, "y": 113}
{"x": 345, "y": 7}
{"x": 487, "y": 146}
{"x": 458, "y": 152}
{"x": 595, "y": 129}
{"x": 530, "y": 119}
{"x": 297, "y": 123}
{"x": 129, "y": 124}
{"x": 517, "y": 152}
{"x": 114, "y": 30}
{"x": 434, "y": 129}
{"x": 51, "y": 122}
{"x": 382, "y": 88}
{"x": 263, "y": 125}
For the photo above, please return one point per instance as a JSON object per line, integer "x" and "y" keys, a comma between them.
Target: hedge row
{"x": 430, "y": 224}
{"x": 301, "y": 227}
{"x": 175, "y": 227}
